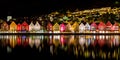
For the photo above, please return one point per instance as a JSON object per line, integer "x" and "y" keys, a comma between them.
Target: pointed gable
{"x": 37, "y": 26}
{"x": 108, "y": 25}
{"x": 75, "y": 26}
{"x": 56, "y": 27}
{"x": 13, "y": 26}
{"x": 115, "y": 26}
{"x": 101, "y": 26}
{"x": 25, "y": 26}
{"x": 81, "y": 27}
{"x": 93, "y": 26}
{"x": 87, "y": 26}
{"x": 31, "y": 26}
{"x": 4, "y": 26}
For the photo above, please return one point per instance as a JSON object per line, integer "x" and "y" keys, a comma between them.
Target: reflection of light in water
{"x": 18, "y": 40}
{"x": 94, "y": 37}
{"x": 101, "y": 36}
{"x": 31, "y": 41}
{"x": 56, "y": 37}
{"x": 41, "y": 37}
{"x": 40, "y": 48}
{"x": 37, "y": 42}
{"x": 9, "y": 49}
{"x": 51, "y": 49}
{"x": 50, "y": 36}
{"x": 5, "y": 37}
{"x": 81, "y": 40}
{"x": 116, "y": 40}
{"x": 62, "y": 39}
{"x": 71, "y": 39}
{"x": 88, "y": 41}
{"x": 107, "y": 37}
{"x": 13, "y": 41}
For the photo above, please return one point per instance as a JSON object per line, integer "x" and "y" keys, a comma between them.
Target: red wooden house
{"x": 19, "y": 27}
{"x": 25, "y": 26}
{"x": 101, "y": 27}
{"x": 108, "y": 27}
{"x": 93, "y": 27}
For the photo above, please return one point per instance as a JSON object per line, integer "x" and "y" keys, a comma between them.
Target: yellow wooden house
{"x": 13, "y": 27}
{"x": 56, "y": 28}
{"x": 75, "y": 27}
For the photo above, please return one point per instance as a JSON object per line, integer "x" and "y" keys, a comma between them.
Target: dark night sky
{"x": 37, "y": 7}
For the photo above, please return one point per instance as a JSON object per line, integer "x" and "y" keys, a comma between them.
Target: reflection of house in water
{"x": 56, "y": 40}
{"x": 116, "y": 41}
{"x": 81, "y": 40}
{"x": 31, "y": 41}
{"x": 88, "y": 39}
{"x": 62, "y": 39}
{"x": 19, "y": 41}
{"x": 13, "y": 41}
{"x": 72, "y": 39}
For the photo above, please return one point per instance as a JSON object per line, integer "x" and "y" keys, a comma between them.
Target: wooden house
{"x": 87, "y": 28}
{"x": 49, "y": 28}
{"x": 81, "y": 28}
{"x": 19, "y": 27}
{"x": 37, "y": 27}
{"x": 75, "y": 27}
{"x": 108, "y": 27}
{"x": 62, "y": 27}
{"x": 31, "y": 27}
{"x": 101, "y": 27}
{"x": 25, "y": 27}
{"x": 4, "y": 27}
{"x": 13, "y": 27}
{"x": 56, "y": 28}
{"x": 93, "y": 27}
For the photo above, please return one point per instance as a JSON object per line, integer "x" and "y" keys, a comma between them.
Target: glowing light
{"x": 62, "y": 27}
